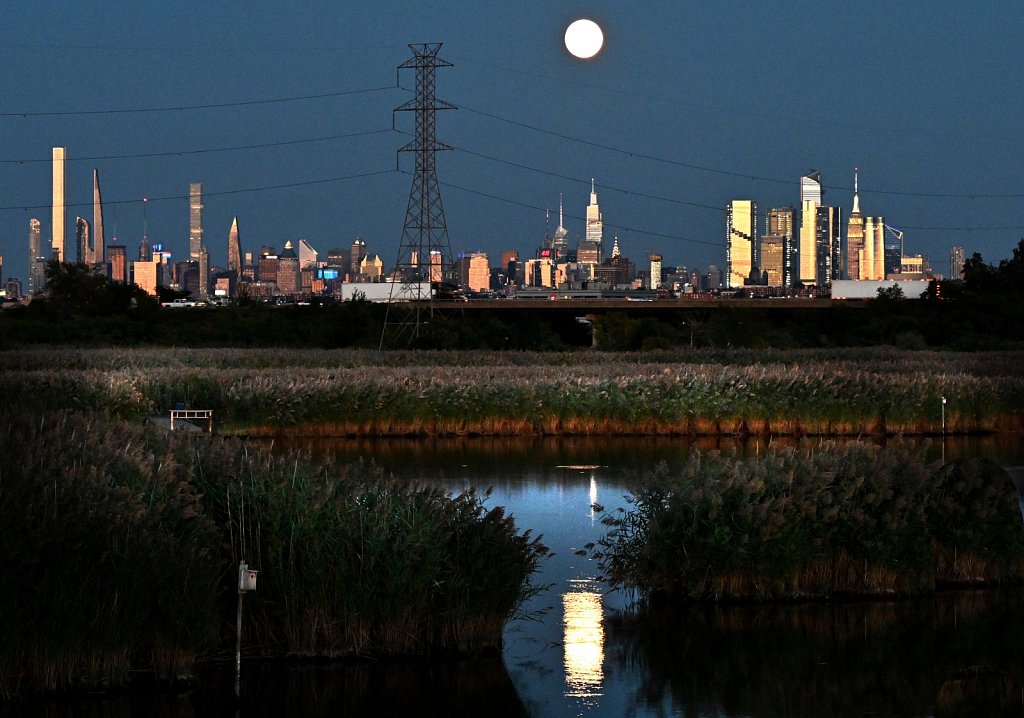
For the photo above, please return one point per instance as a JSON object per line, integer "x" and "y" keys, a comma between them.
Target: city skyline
{"x": 672, "y": 128}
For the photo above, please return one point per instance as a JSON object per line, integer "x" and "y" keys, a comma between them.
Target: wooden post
{"x": 238, "y": 633}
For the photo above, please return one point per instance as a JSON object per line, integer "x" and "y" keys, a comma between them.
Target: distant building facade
{"x": 117, "y": 257}
{"x": 473, "y": 271}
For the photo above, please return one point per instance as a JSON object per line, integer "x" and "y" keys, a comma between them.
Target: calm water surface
{"x": 575, "y": 653}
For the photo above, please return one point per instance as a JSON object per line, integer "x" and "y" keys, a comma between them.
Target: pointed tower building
{"x": 595, "y": 224}
{"x": 234, "y": 249}
{"x": 560, "y": 240}
{"x": 99, "y": 245}
{"x": 855, "y": 235}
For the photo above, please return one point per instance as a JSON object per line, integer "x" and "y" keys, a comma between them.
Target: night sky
{"x": 689, "y": 105}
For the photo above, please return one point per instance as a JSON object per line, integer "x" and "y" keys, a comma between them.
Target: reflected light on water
{"x": 593, "y": 495}
{"x": 584, "y": 639}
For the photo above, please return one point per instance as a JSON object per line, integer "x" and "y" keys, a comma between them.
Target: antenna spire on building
{"x": 856, "y": 195}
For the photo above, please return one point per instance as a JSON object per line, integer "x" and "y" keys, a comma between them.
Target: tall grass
{"x": 119, "y": 546}
{"x": 107, "y": 559}
{"x": 881, "y": 392}
{"x": 840, "y": 519}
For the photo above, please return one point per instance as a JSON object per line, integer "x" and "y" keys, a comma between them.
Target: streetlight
{"x": 943, "y": 416}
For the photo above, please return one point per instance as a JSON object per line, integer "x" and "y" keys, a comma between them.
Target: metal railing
{"x": 189, "y": 414}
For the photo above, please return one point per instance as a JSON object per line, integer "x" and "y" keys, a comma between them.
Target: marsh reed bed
{"x": 702, "y": 392}
{"x": 119, "y": 548}
{"x": 832, "y": 520}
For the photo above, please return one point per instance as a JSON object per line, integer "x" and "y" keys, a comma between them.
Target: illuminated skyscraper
{"x": 956, "y": 263}
{"x": 83, "y": 241}
{"x": 99, "y": 252}
{"x": 59, "y": 209}
{"x": 782, "y": 259}
{"x": 307, "y": 255}
{"x": 234, "y": 249}
{"x": 873, "y": 263}
{"x": 474, "y": 271}
{"x": 358, "y": 253}
{"x": 865, "y": 242}
{"x": 654, "y": 280}
{"x": 289, "y": 278}
{"x": 204, "y": 273}
{"x": 117, "y": 256}
{"x": 146, "y": 275}
{"x": 807, "y": 248}
{"x": 195, "y": 221}
{"x": 828, "y": 241}
{"x": 773, "y": 252}
{"x": 595, "y": 225}
{"x": 740, "y": 239}
{"x": 36, "y": 258}
{"x": 855, "y": 238}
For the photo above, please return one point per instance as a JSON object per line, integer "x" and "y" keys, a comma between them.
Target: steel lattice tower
{"x": 425, "y": 255}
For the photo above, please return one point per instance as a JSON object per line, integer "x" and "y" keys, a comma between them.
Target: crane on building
{"x": 899, "y": 236}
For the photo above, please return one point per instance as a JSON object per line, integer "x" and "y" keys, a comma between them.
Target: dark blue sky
{"x": 688, "y": 105}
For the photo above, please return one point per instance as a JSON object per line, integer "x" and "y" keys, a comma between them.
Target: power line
{"x": 678, "y": 201}
{"x": 622, "y": 227}
{"x": 178, "y": 108}
{"x": 727, "y": 173}
{"x": 176, "y": 153}
{"x": 586, "y": 181}
{"x": 245, "y": 190}
{"x": 199, "y": 48}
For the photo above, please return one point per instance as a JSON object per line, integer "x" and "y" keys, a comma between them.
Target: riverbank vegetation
{"x": 982, "y": 311}
{"x": 846, "y": 519}
{"x": 119, "y": 548}
{"x": 682, "y": 392}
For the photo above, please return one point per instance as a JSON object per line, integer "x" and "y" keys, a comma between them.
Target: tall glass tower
{"x": 807, "y": 248}
{"x": 195, "y": 221}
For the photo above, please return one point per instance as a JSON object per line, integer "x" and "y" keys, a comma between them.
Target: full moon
{"x": 584, "y": 38}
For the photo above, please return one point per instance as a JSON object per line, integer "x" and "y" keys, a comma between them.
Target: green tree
{"x": 890, "y": 294}
{"x": 74, "y": 289}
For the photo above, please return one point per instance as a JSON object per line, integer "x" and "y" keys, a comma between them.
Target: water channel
{"x": 576, "y": 653}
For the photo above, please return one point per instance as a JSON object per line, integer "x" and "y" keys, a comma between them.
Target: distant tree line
{"x": 982, "y": 310}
